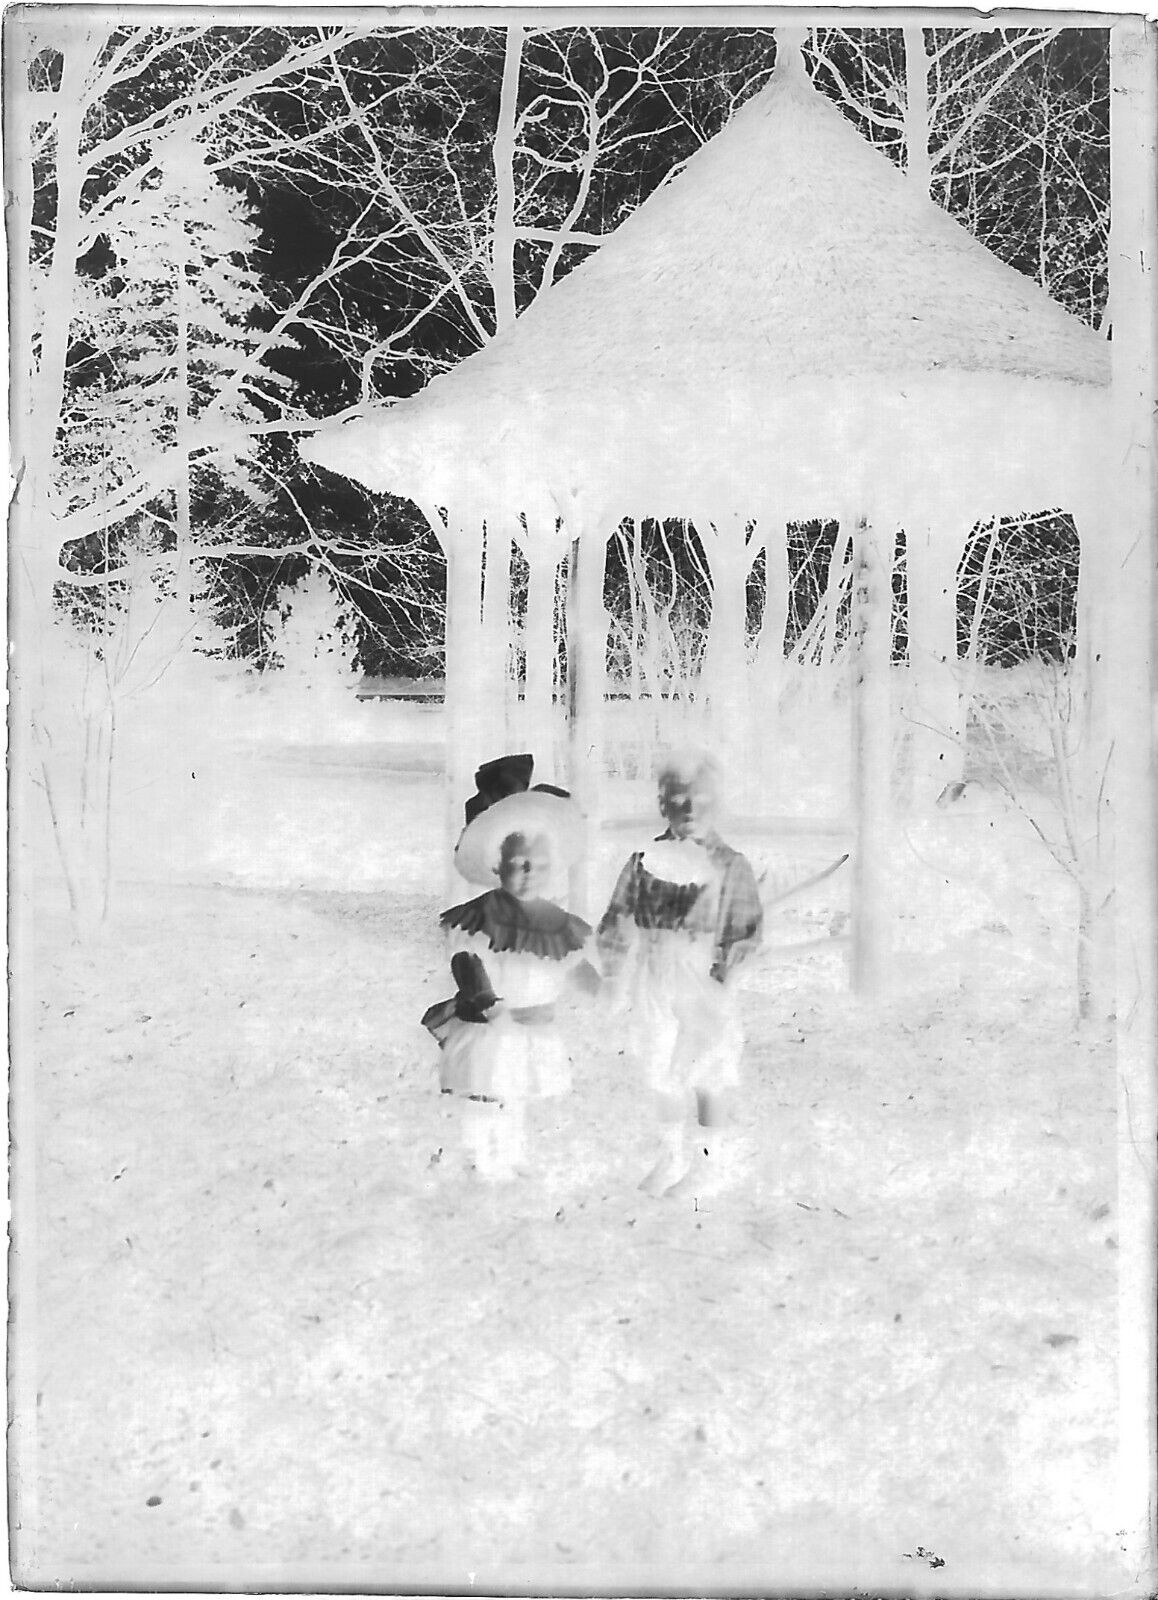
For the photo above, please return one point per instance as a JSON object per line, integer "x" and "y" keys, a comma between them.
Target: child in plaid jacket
{"x": 684, "y": 914}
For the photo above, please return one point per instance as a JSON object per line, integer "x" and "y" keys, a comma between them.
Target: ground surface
{"x": 281, "y": 1336}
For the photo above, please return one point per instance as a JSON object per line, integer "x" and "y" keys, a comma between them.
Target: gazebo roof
{"x": 787, "y": 323}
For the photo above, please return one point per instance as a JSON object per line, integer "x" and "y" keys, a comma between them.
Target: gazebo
{"x": 786, "y": 329}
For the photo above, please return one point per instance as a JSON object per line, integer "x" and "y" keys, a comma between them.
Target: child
{"x": 512, "y": 952}
{"x": 683, "y": 915}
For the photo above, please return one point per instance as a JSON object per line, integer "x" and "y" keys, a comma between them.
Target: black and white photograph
{"x": 583, "y": 913}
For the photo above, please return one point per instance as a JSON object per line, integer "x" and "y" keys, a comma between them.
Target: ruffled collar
{"x": 529, "y": 927}
{"x": 679, "y": 861}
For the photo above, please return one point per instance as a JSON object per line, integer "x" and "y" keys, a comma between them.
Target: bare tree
{"x": 128, "y": 382}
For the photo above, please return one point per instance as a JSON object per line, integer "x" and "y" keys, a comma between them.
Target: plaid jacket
{"x": 730, "y": 911}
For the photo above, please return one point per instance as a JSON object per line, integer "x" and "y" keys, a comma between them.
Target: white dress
{"x": 528, "y": 950}
{"x": 681, "y": 917}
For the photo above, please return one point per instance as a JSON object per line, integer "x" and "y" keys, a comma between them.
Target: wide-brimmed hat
{"x": 545, "y": 811}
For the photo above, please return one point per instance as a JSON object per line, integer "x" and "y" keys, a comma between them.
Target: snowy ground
{"x": 281, "y": 1338}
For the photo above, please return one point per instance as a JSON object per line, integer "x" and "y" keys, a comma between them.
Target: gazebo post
{"x": 464, "y": 707}
{"x": 771, "y": 672}
{"x": 495, "y": 663}
{"x": 773, "y": 540}
{"x": 543, "y": 549}
{"x": 586, "y": 688}
{"x": 871, "y": 757}
{"x": 1098, "y": 577}
{"x": 836, "y": 580}
{"x": 933, "y": 707}
{"x": 725, "y": 680}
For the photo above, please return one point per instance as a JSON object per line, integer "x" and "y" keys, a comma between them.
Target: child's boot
{"x": 670, "y": 1163}
{"x": 509, "y": 1141}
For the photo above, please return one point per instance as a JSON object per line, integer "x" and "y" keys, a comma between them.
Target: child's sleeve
{"x": 613, "y": 936}
{"x": 741, "y": 918}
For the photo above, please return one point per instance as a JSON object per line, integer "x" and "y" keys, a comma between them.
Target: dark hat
{"x": 496, "y": 779}
{"x": 504, "y": 776}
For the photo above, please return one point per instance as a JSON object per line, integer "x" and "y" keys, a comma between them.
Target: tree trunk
{"x": 917, "y": 160}
{"x": 833, "y": 595}
{"x": 38, "y": 375}
{"x": 990, "y": 533}
{"x": 80, "y": 52}
{"x": 871, "y": 758}
{"x": 25, "y": 436}
{"x": 933, "y": 708}
{"x": 183, "y": 564}
{"x": 587, "y": 624}
{"x": 503, "y": 232}
{"x": 38, "y": 755}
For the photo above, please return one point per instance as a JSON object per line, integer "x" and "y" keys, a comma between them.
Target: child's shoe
{"x": 662, "y": 1177}
{"x": 712, "y": 1168}
{"x": 495, "y": 1136}
{"x": 670, "y": 1164}
{"x": 477, "y": 1140}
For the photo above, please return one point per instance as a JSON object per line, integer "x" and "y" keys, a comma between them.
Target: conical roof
{"x": 786, "y": 318}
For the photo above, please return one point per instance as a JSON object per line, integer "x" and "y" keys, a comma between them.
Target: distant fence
{"x": 432, "y": 691}
{"x": 423, "y": 691}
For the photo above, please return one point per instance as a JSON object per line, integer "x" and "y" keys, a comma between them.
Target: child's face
{"x": 687, "y": 806}
{"x": 525, "y": 866}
